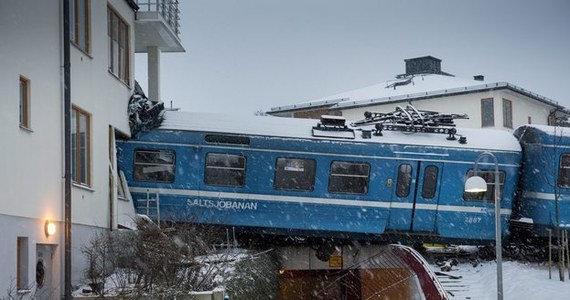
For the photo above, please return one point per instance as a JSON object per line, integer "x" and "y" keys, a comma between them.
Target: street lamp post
{"x": 478, "y": 184}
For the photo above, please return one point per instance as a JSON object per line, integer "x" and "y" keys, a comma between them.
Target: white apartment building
{"x": 488, "y": 104}
{"x": 104, "y": 35}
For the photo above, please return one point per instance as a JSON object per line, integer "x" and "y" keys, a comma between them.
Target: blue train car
{"x": 286, "y": 176}
{"x": 545, "y": 181}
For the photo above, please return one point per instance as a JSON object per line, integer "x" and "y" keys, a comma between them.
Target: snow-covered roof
{"x": 408, "y": 88}
{"x": 488, "y": 139}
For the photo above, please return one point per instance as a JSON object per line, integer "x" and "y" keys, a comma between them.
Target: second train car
{"x": 289, "y": 176}
{"x": 543, "y": 200}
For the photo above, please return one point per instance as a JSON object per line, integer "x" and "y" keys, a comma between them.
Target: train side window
{"x": 564, "y": 171}
{"x": 489, "y": 177}
{"x": 225, "y": 169}
{"x": 294, "y": 174}
{"x": 154, "y": 165}
{"x": 404, "y": 180}
{"x": 430, "y": 182}
{"x": 349, "y": 177}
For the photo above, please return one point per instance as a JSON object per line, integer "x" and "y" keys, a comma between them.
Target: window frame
{"x": 333, "y": 177}
{"x": 507, "y": 113}
{"x": 487, "y": 121}
{"x": 309, "y": 166}
{"x": 22, "y": 263}
{"x": 401, "y": 183}
{"x": 137, "y": 165}
{"x": 119, "y": 62}
{"x": 78, "y": 168}
{"x": 563, "y": 174}
{"x": 77, "y": 18}
{"x": 432, "y": 184}
{"x": 208, "y": 179}
{"x": 489, "y": 195}
{"x": 24, "y": 102}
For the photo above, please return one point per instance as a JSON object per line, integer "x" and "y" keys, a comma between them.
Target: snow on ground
{"x": 521, "y": 281}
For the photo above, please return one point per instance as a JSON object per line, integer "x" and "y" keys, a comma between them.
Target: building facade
{"x": 32, "y": 127}
{"x": 424, "y": 85}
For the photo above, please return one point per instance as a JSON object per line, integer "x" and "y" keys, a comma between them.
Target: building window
{"x": 24, "y": 102}
{"x": 294, "y": 174}
{"x": 154, "y": 165}
{"x": 489, "y": 177}
{"x": 22, "y": 263}
{"x": 122, "y": 186}
{"x": 429, "y": 186}
{"x": 225, "y": 169}
{"x": 507, "y": 113}
{"x": 118, "y": 48}
{"x": 529, "y": 120}
{"x": 487, "y": 113}
{"x": 564, "y": 171}
{"x": 404, "y": 180}
{"x": 79, "y": 24}
{"x": 80, "y": 146}
{"x": 349, "y": 177}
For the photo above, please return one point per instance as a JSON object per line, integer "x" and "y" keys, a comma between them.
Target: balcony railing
{"x": 168, "y": 9}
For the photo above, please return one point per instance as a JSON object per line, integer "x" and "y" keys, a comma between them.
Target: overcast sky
{"x": 249, "y": 55}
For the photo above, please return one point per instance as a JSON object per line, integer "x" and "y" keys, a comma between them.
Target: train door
{"x": 426, "y": 197}
{"x": 415, "y": 196}
{"x": 403, "y": 194}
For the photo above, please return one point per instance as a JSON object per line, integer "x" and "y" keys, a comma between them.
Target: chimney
{"x": 479, "y": 77}
{"x": 423, "y": 65}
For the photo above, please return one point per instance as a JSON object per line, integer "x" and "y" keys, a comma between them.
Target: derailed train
{"x": 295, "y": 177}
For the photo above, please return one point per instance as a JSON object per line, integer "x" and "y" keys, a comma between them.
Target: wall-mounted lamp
{"x": 49, "y": 228}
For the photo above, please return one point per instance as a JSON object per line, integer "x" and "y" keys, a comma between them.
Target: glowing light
{"x": 50, "y": 228}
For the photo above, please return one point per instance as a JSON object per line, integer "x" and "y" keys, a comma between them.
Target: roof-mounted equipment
{"x": 333, "y": 127}
{"x": 411, "y": 120}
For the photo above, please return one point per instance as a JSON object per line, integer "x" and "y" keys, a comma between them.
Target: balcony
{"x": 157, "y": 25}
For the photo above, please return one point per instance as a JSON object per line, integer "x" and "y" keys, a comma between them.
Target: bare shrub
{"x": 170, "y": 261}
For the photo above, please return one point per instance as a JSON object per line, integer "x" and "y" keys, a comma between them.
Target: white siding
{"x": 31, "y": 168}
{"x": 105, "y": 97}
{"x": 470, "y": 104}
{"x": 31, "y": 162}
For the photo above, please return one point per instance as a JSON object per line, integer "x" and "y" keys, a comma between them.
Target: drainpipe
{"x": 67, "y": 147}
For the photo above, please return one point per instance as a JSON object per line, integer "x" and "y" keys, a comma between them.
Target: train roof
{"x": 543, "y": 134}
{"x": 487, "y": 139}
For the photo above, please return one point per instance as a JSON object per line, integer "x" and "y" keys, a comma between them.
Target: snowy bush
{"x": 170, "y": 262}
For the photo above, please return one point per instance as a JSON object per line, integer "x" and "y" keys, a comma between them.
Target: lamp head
{"x": 475, "y": 184}
{"x": 49, "y": 228}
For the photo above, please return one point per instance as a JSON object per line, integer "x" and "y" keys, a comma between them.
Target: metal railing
{"x": 168, "y": 9}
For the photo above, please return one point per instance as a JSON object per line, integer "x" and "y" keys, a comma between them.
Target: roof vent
{"x": 333, "y": 127}
{"x": 333, "y": 121}
{"x": 479, "y": 77}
